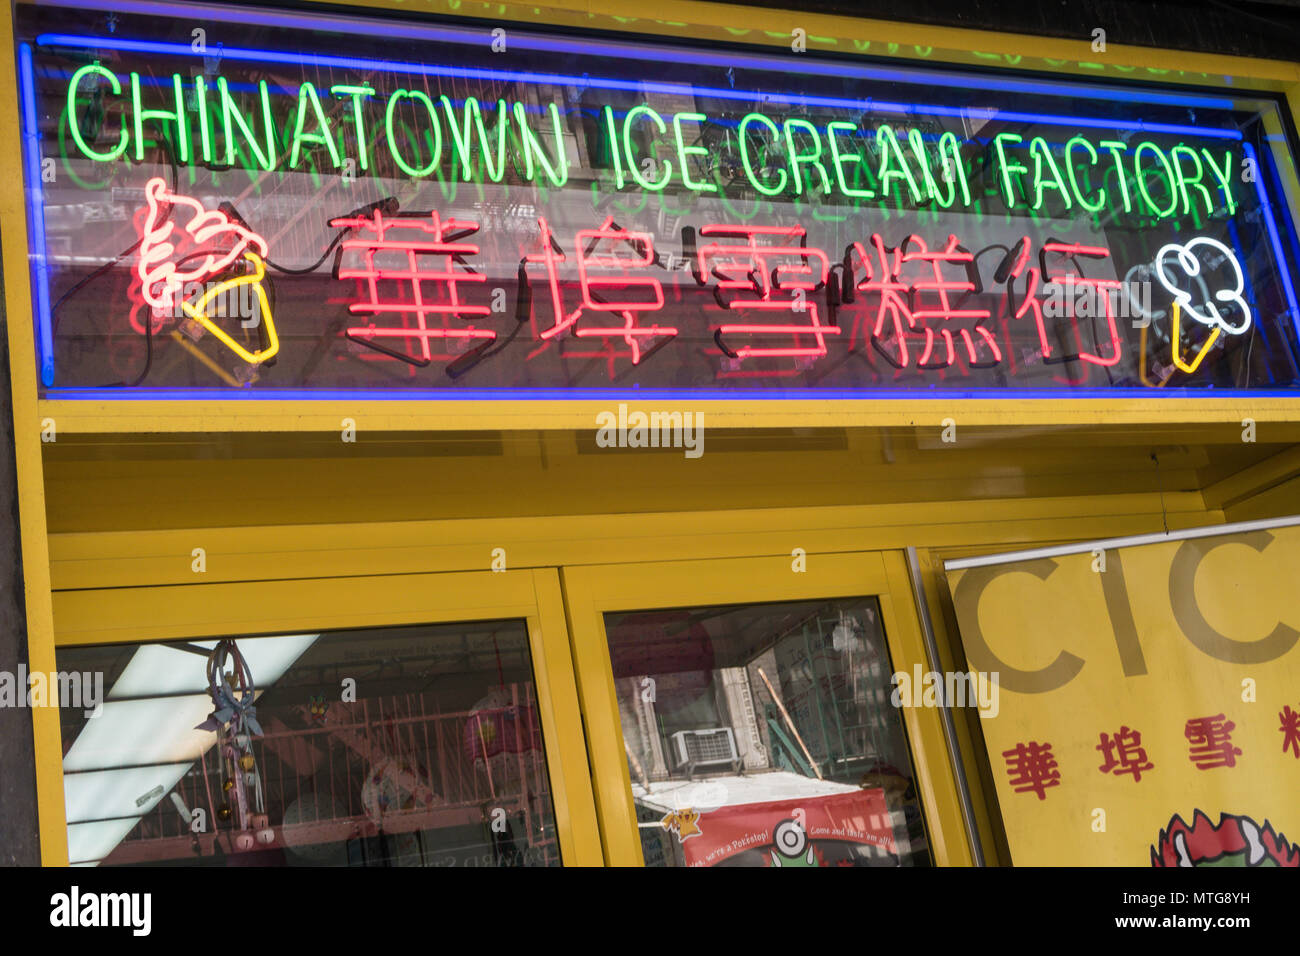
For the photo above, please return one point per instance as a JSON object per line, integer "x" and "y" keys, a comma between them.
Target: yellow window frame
{"x": 591, "y": 591}
{"x": 267, "y": 607}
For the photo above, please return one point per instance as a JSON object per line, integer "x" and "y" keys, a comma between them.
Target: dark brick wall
{"x": 1261, "y": 29}
{"x": 18, "y": 835}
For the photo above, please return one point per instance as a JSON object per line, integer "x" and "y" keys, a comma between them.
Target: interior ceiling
{"x": 112, "y": 482}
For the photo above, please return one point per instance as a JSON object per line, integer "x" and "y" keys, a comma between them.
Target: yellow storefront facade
{"x": 683, "y": 629}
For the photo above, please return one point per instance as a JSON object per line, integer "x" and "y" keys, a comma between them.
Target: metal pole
{"x": 1085, "y": 547}
{"x": 950, "y": 730}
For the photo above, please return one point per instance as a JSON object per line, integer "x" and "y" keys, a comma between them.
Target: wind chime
{"x": 234, "y": 719}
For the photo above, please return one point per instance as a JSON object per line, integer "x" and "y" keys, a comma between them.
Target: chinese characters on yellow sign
{"x": 1150, "y": 707}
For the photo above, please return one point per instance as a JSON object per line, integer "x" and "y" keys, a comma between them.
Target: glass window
{"x": 763, "y": 735}
{"x": 410, "y": 746}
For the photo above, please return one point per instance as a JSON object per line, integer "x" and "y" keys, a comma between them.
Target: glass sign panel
{"x": 297, "y": 205}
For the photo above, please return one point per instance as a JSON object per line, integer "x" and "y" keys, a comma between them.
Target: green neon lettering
{"x": 231, "y": 117}
{"x": 460, "y": 136}
{"x": 515, "y": 151}
{"x": 177, "y": 116}
{"x": 1007, "y": 167}
{"x": 683, "y": 151}
{"x": 65, "y": 158}
{"x": 948, "y": 142}
{"x": 1074, "y": 178}
{"x": 1042, "y": 154}
{"x": 205, "y": 133}
{"x": 887, "y": 139}
{"x": 284, "y": 143}
{"x": 393, "y": 101}
{"x": 860, "y": 172}
{"x": 533, "y": 148}
{"x": 72, "y": 114}
{"x": 497, "y": 173}
{"x": 614, "y": 151}
{"x": 410, "y": 138}
{"x": 358, "y": 116}
{"x": 1184, "y": 180}
{"x": 838, "y": 160}
{"x": 1142, "y": 179}
{"x": 1116, "y": 149}
{"x": 748, "y": 163}
{"x": 472, "y": 119}
{"x": 633, "y": 169}
{"x": 1223, "y": 176}
{"x": 930, "y": 188}
{"x": 798, "y": 159}
{"x": 306, "y": 94}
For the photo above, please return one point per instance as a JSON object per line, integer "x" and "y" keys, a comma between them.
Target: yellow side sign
{"x": 1149, "y": 700}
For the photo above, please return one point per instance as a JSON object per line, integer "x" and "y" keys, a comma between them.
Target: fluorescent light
{"x": 157, "y": 669}
{"x": 91, "y": 842}
{"x": 145, "y": 736}
{"x": 149, "y": 731}
{"x": 100, "y": 794}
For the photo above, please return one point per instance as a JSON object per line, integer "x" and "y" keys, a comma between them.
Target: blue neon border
{"x": 35, "y": 199}
{"x": 974, "y": 76}
{"x": 927, "y": 393}
{"x": 1274, "y": 237}
{"x": 561, "y": 79}
{"x": 31, "y": 138}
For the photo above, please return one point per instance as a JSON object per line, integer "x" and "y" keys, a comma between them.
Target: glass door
{"x": 740, "y": 713}
{"x": 424, "y": 720}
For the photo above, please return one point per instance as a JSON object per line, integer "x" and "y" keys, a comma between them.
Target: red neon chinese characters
{"x": 209, "y": 244}
{"x": 909, "y": 304}
{"x": 624, "y": 252}
{"x": 392, "y": 255}
{"x": 1097, "y": 290}
{"x": 753, "y": 272}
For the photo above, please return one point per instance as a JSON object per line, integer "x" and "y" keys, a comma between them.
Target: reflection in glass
{"x": 764, "y": 736}
{"x": 417, "y": 746}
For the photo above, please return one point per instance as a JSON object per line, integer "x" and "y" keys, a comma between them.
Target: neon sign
{"x": 220, "y": 244}
{"x": 1220, "y": 301}
{"x": 779, "y": 155}
{"x": 455, "y": 224}
{"x": 411, "y": 240}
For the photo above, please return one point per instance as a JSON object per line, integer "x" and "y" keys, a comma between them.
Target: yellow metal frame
{"x": 210, "y": 610}
{"x": 593, "y": 591}
{"x": 394, "y": 415}
{"x": 77, "y": 611}
{"x": 122, "y": 586}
